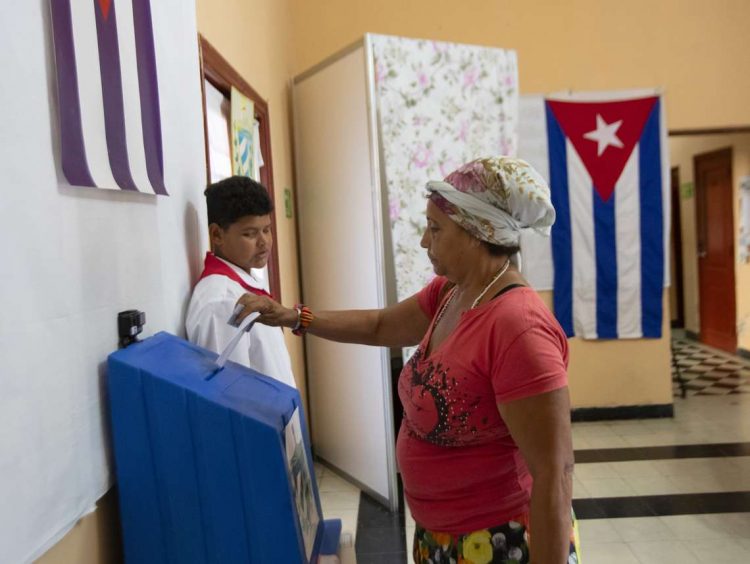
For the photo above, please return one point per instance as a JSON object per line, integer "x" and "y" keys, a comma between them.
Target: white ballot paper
{"x": 244, "y": 327}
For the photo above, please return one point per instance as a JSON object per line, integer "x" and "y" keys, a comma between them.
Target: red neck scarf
{"x": 214, "y": 265}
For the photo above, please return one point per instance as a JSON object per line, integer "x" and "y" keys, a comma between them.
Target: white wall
{"x": 71, "y": 259}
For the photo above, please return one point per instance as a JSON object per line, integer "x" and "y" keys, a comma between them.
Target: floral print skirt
{"x": 507, "y": 544}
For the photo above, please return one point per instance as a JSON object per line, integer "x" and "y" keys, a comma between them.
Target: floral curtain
{"x": 439, "y": 105}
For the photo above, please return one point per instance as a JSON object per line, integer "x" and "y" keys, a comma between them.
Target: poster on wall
{"x": 107, "y": 71}
{"x": 243, "y": 135}
{"x": 302, "y": 485}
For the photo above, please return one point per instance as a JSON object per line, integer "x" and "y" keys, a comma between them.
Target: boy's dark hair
{"x": 237, "y": 196}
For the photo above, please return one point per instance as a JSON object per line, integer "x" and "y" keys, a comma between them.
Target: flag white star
{"x": 605, "y": 135}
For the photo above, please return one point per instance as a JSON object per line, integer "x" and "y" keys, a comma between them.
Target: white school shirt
{"x": 263, "y": 349}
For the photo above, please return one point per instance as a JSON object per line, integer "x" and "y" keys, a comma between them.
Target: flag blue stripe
{"x": 562, "y": 255}
{"x": 73, "y": 152}
{"x": 605, "y": 242}
{"x": 652, "y": 225}
{"x": 145, "y": 53}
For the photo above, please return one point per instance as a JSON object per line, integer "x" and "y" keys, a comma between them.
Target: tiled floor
{"x": 707, "y": 371}
{"x": 381, "y": 535}
{"x": 339, "y": 499}
{"x": 646, "y": 491}
{"x": 683, "y": 504}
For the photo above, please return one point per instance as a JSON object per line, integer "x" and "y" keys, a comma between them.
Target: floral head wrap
{"x": 495, "y": 198}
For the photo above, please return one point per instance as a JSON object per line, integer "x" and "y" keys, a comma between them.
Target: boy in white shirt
{"x": 239, "y": 217}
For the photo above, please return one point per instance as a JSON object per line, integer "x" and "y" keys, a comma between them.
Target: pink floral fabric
{"x": 439, "y": 105}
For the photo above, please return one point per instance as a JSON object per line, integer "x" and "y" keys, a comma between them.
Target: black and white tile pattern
{"x": 707, "y": 371}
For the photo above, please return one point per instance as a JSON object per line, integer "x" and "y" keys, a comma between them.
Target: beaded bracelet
{"x": 304, "y": 318}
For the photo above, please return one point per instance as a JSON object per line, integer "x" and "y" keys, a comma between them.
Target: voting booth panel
{"x": 395, "y": 112}
{"x": 213, "y": 465}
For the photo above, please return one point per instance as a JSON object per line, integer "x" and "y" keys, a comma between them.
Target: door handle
{"x": 702, "y": 254}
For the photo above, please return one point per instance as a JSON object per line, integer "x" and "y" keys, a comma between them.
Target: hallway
{"x": 645, "y": 491}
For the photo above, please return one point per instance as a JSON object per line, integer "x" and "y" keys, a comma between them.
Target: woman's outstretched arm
{"x": 401, "y": 325}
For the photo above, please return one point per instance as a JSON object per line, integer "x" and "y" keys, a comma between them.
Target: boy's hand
{"x": 271, "y": 313}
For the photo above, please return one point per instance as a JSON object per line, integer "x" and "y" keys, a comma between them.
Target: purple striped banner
{"x": 108, "y": 92}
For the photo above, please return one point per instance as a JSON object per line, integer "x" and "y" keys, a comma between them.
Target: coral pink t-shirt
{"x": 460, "y": 467}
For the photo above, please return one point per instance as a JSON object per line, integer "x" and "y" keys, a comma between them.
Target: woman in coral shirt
{"x": 485, "y": 449}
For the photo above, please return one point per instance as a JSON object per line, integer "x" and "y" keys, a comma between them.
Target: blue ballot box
{"x": 213, "y": 465}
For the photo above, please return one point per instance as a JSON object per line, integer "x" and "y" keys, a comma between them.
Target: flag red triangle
{"x": 105, "y": 5}
{"x": 604, "y": 135}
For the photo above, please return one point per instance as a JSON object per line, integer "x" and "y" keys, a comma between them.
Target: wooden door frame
{"x": 727, "y": 130}
{"x": 679, "y": 275}
{"x": 217, "y": 70}
{"x": 700, "y": 223}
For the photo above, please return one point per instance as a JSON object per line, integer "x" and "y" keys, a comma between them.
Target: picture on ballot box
{"x": 299, "y": 472}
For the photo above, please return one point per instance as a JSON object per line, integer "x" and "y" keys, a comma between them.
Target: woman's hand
{"x": 400, "y": 325}
{"x": 271, "y": 312}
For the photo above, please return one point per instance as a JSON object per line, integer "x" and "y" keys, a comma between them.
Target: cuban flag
{"x": 108, "y": 94}
{"x": 605, "y": 157}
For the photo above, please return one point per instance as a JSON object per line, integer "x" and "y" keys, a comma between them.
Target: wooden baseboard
{"x": 95, "y": 539}
{"x": 622, "y": 412}
{"x": 692, "y": 335}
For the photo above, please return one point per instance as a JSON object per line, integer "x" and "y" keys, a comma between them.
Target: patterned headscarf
{"x": 495, "y": 198}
